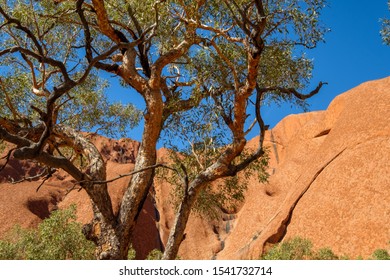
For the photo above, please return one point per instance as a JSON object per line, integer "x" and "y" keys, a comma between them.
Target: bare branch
{"x": 42, "y": 157}
{"x": 87, "y": 33}
{"x": 129, "y": 174}
{"x": 229, "y": 64}
{"x": 28, "y": 32}
{"x": 50, "y": 173}
{"x": 294, "y": 91}
{"x": 251, "y": 127}
{"x": 7, "y": 158}
{"x": 10, "y": 106}
{"x": 46, "y": 173}
{"x": 185, "y": 178}
{"x": 259, "y": 97}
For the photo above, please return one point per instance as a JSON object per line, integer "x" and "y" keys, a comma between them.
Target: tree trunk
{"x": 176, "y": 235}
{"x": 141, "y": 182}
{"x": 220, "y": 169}
{"x": 102, "y": 228}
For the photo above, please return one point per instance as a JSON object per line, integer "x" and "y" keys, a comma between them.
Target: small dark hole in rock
{"x": 269, "y": 193}
{"x": 322, "y": 133}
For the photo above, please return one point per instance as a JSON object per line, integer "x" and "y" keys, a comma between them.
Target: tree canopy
{"x": 203, "y": 68}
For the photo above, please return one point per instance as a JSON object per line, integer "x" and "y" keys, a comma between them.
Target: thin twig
{"x": 129, "y": 174}
{"x": 7, "y": 157}
{"x": 50, "y": 173}
{"x": 31, "y": 177}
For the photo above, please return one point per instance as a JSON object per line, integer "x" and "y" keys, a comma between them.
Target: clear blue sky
{"x": 352, "y": 54}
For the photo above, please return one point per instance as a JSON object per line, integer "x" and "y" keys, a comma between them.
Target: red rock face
{"x": 21, "y": 204}
{"x": 330, "y": 182}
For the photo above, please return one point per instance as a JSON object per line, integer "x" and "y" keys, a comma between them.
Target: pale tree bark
{"x": 102, "y": 229}
{"x": 224, "y": 166}
{"x": 141, "y": 182}
{"x": 150, "y": 90}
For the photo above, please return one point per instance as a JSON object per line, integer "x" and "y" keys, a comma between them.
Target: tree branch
{"x": 42, "y": 157}
{"x": 294, "y": 92}
{"x": 40, "y": 58}
{"x": 103, "y": 22}
{"x": 24, "y": 29}
{"x": 170, "y": 57}
{"x": 47, "y": 172}
{"x": 7, "y": 158}
{"x": 130, "y": 174}
{"x": 229, "y": 64}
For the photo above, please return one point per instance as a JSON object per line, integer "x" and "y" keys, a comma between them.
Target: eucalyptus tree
{"x": 49, "y": 93}
{"x": 385, "y": 32}
{"x": 214, "y": 59}
{"x": 251, "y": 53}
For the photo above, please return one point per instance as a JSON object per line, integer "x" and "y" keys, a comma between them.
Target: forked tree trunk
{"x": 141, "y": 182}
{"x": 176, "y": 235}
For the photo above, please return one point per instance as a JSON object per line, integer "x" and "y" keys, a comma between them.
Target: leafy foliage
{"x": 58, "y": 237}
{"x": 219, "y": 66}
{"x": 385, "y": 32}
{"x": 381, "y": 254}
{"x": 85, "y": 107}
{"x": 294, "y": 249}
{"x": 89, "y": 109}
{"x": 298, "y": 249}
{"x": 325, "y": 254}
{"x": 131, "y": 254}
{"x": 226, "y": 194}
{"x": 202, "y": 68}
{"x": 155, "y": 255}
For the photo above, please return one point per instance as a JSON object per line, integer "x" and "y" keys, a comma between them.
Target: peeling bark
{"x": 141, "y": 182}
{"x": 102, "y": 229}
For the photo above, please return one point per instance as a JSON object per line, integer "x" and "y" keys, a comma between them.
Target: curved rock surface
{"x": 332, "y": 183}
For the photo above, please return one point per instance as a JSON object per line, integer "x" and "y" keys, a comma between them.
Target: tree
{"x": 249, "y": 54}
{"x": 385, "y": 32}
{"x": 180, "y": 57}
{"x": 48, "y": 91}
